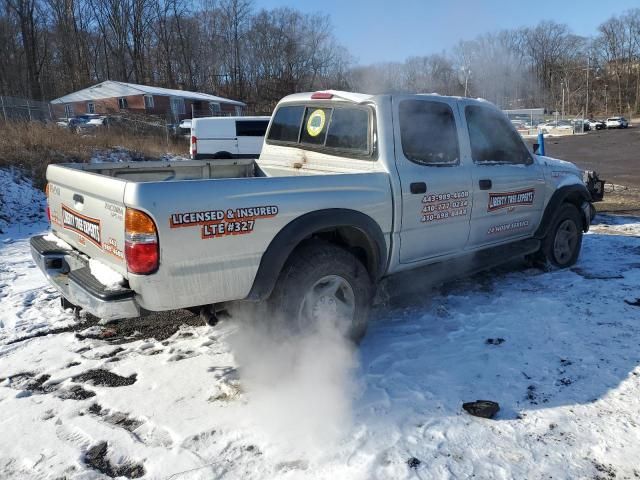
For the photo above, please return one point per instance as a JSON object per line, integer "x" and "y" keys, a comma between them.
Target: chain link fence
{"x": 14, "y": 108}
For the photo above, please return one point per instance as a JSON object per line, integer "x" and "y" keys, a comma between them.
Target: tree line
{"x": 49, "y": 48}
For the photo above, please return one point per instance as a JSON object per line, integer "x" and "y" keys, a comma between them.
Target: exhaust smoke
{"x": 300, "y": 387}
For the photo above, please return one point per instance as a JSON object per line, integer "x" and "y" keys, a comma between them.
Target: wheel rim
{"x": 565, "y": 242}
{"x": 331, "y": 298}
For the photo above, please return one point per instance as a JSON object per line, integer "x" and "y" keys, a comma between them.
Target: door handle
{"x": 485, "y": 184}
{"x": 418, "y": 187}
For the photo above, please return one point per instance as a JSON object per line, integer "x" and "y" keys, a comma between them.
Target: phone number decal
{"x": 443, "y": 206}
{"x": 221, "y": 223}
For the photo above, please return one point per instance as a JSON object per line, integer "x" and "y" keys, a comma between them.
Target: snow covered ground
{"x": 164, "y": 397}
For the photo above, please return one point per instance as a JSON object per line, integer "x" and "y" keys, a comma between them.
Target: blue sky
{"x": 377, "y": 30}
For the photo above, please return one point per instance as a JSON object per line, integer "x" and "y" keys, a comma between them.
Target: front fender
{"x": 578, "y": 195}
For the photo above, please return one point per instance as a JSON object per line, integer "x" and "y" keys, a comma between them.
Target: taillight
{"x": 194, "y": 146}
{"x": 141, "y": 242}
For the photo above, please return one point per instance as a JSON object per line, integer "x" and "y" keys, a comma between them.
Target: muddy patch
{"x": 75, "y": 392}
{"x": 104, "y": 378}
{"x": 96, "y": 458}
{"x": 118, "y": 419}
{"x": 29, "y": 384}
{"x": 595, "y": 275}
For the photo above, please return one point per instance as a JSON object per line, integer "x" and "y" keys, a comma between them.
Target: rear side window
{"x": 493, "y": 139}
{"x": 333, "y": 130}
{"x": 285, "y": 126}
{"x": 428, "y": 133}
{"x": 251, "y": 128}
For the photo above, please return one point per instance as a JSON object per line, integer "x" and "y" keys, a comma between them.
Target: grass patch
{"x": 31, "y": 146}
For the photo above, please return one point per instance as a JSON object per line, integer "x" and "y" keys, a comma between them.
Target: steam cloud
{"x": 299, "y": 387}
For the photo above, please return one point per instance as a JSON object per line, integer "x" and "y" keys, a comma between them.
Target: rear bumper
{"x": 70, "y": 274}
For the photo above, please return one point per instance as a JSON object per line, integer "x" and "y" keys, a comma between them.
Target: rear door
{"x": 508, "y": 185}
{"x": 250, "y": 134}
{"x": 87, "y": 211}
{"x": 435, "y": 182}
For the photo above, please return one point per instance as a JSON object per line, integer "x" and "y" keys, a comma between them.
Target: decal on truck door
{"x": 442, "y": 206}
{"x": 220, "y": 223}
{"x": 87, "y": 227}
{"x": 510, "y": 199}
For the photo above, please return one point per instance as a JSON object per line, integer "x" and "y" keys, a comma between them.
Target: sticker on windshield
{"x": 86, "y": 226}
{"x": 316, "y": 122}
{"x": 510, "y": 199}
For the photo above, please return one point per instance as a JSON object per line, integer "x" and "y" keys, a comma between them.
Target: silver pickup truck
{"x": 348, "y": 189}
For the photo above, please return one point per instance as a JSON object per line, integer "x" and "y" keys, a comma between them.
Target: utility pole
{"x": 586, "y": 110}
{"x": 562, "y": 86}
{"x": 606, "y": 104}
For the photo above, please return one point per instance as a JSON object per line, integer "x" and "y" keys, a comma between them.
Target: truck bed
{"x": 171, "y": 171}
{"x": 88, "y": 203}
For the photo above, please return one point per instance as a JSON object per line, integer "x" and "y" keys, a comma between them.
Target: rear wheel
{"x": 562, "y": 244}
{"x": 323, "y": 286}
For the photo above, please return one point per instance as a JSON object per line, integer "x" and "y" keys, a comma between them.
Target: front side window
{"x": 329, "y": 129}
{"x": 493, "y": 139}
{"x": 428, "y": 133}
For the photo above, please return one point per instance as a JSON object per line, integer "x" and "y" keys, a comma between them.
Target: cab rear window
{"x": 333, "y": 130}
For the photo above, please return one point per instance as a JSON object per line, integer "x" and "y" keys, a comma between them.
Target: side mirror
{"x": 536, "y": 147}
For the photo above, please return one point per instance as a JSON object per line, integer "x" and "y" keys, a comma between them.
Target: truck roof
{"x": 353, "y": 97}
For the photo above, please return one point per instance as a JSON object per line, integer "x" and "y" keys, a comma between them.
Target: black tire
{"x": 561, "y": 246}
{"x": 302, "y": 277}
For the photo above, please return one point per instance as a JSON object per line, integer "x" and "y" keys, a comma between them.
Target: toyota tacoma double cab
{"x": 348, "y": 189}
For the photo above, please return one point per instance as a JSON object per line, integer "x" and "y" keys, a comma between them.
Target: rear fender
{"x": 304, "y": 227}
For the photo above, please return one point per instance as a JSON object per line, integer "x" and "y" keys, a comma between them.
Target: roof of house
{"x": 111, "y": 88}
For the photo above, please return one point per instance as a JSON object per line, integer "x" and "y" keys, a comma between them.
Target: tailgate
{"x": 87, "y": 211}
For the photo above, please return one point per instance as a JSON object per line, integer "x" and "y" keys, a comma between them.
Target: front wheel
{"x": 323, "y": 286}
{"x": 562, "y": 244}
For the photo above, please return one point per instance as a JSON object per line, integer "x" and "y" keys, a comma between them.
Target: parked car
{"x": 92, "y": 124}
{"x": 227, "y": 137}
{"x": 348, "y": 189}
{"x": 597, "y": 124}
{"x": 562, "y": 125}
{"x": 617, "y": 122}
{"x": 183, "y": 129}
{"x": 581, "y": 125}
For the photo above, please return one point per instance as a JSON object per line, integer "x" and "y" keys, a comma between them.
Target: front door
{"x": 436, "y": 184}
{"x": 508, "y": 185}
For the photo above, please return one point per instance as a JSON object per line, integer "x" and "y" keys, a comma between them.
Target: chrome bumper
{"x": 69, "y": 273}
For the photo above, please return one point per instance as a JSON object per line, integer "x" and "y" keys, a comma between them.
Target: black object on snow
{"x": 413, "y": 462}
{"x": 482, "y": 408}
